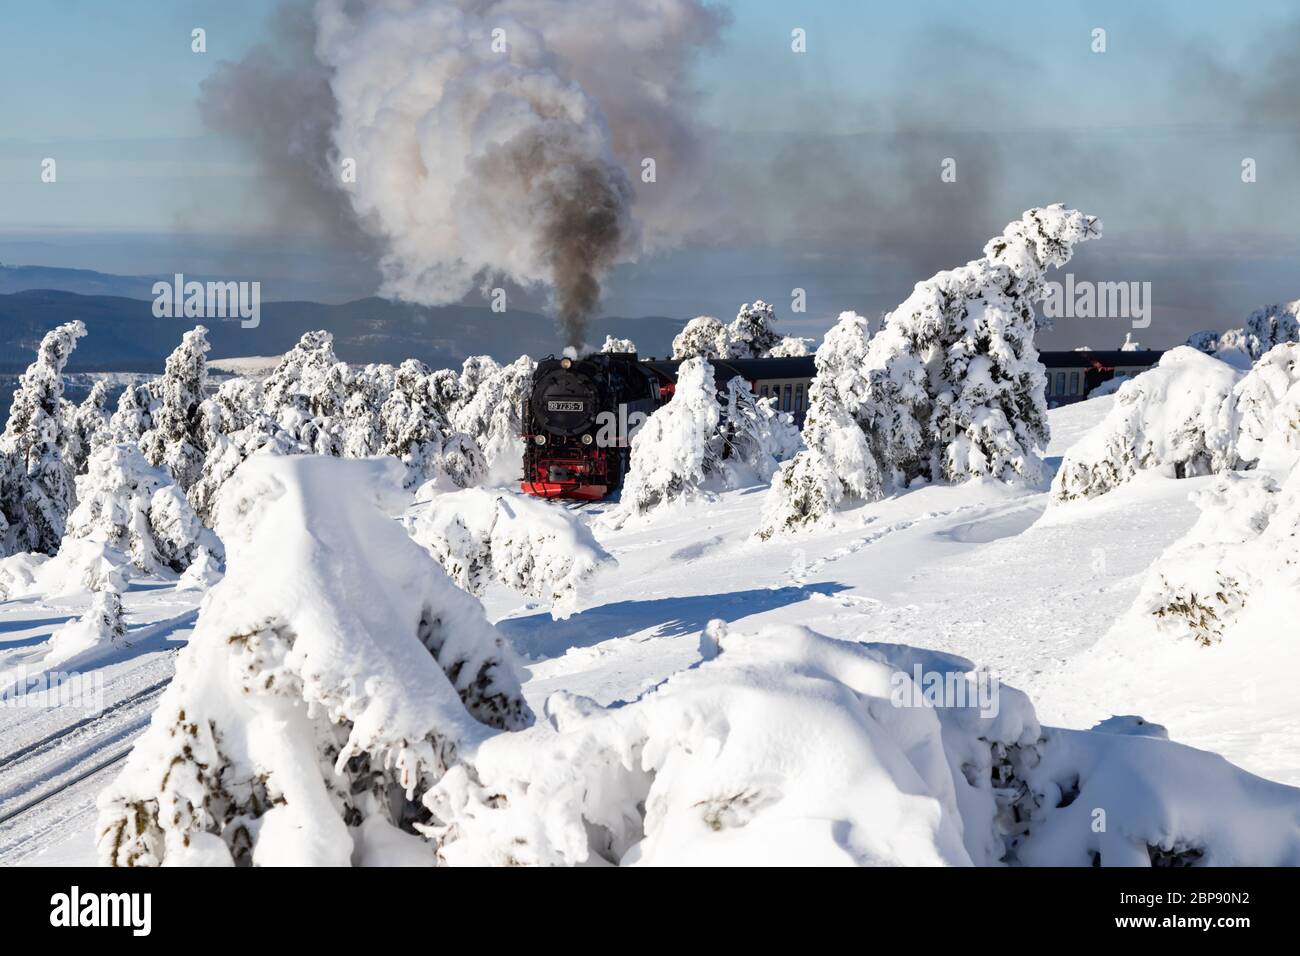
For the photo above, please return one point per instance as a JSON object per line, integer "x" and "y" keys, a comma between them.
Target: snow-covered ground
{"x": 1037, "y": 595}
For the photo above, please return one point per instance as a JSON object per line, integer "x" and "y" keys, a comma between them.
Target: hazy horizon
{"x": 817, "y": 170}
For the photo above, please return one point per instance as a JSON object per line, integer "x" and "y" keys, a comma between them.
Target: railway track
{"x": 52, "y": 741}
{"x": 89, "y": 771}
{"x": 40, "y": 771}
{"x": 50, "y": 784}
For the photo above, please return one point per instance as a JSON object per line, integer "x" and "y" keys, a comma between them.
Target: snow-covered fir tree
{"x": 757, "y": 436}
{"x": 446, "y": 391}
{"x": 752, "y": 334}
{"x": 614, "y": 344}
{"x": 88, "y": 427}
{"x": 36, "y": 482}
{"x": 235, "y": 426}
{"x": 679, "y": 447}
{"x": 366, "y": 390}
{"x": 134, "y": 415}
{"x": 703, "y": 337}
{"x": 473, "y": 372}
{"x": 306, "y": 392}
{"x": 136, "y": 510}
{"x": 1267, "y": 406}
{"x": 492, "y": 415}
{"x": 377, "y": 673}
{"x": 176, "y": 435}
{"x": 956, "y": 388}
{"x": 416, "y": 431}
{"x": 1206, "y": 341}
{"x": 838, "y": 466}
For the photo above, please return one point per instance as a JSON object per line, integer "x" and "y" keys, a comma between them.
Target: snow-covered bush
{"x": 36, "y": 482}
{"x": 334, "y": 675}
{"x": 1268, "y": 406}
{"x": 1178, "y": 416}
{"x": 1201, "y": 583}
{"x": 703, "y": 337}
{"x": 956, "y": 387}
{"x": 203, "y": 572}
{"x": 613, "y": 344}
{"x": 916, "y": 760}
{"x": 176, "y": 434}
{"x": 757, "y": 436}
{"x": 790, "y": 346}
{"x": 100, "y": 629}
{"x": 530, "y": 546}
{"x": 838, "y": 465}
{"x": 18, "y": 573}
{"x": 678, "y": 448}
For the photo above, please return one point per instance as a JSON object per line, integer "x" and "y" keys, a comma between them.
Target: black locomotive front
{"x": 578, "y": 420}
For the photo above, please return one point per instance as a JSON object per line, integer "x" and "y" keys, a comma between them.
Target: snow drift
{"x": 720, "y": 765}
{"x": 334, "y": 674}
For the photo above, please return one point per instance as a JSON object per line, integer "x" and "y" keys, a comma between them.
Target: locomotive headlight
{"x": 586, "y": 439}
{"x": 566, "y": 363}
{"x": 540, "y": 439}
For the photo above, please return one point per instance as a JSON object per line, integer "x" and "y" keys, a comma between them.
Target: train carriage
{"x": 579, "y": 414}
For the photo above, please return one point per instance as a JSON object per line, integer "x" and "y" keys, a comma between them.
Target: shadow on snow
{"x": 538, "y": 636}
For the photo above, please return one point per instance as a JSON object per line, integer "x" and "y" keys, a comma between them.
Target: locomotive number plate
{"x": 564, "y": 406}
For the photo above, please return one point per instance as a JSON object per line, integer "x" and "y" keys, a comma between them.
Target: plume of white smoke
{"x": 493, "y": 139}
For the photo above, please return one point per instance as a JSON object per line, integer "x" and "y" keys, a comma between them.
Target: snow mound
{"x": 333, "y": 675}
{"x": 788, "y": 747}
{"x": 100, "y": 629}
{"x": 1177, "y": 417}
{"x": 531, "y": 546}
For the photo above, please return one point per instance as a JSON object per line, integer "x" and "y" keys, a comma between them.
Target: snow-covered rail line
{"x": 49, "y": 793}
{"x": 50, "y": 741}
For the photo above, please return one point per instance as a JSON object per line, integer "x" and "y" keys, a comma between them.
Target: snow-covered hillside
{"x": 1036, "y": 597}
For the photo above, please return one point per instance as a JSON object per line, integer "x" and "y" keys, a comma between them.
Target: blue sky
{"x": 109, "y": 87}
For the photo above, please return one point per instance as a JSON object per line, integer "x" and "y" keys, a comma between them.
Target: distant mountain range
{"x": 124, "y": 335}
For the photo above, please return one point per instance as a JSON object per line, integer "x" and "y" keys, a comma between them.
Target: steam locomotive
{"x": 580, "y": 414}
{"x": 578, "y": 420}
